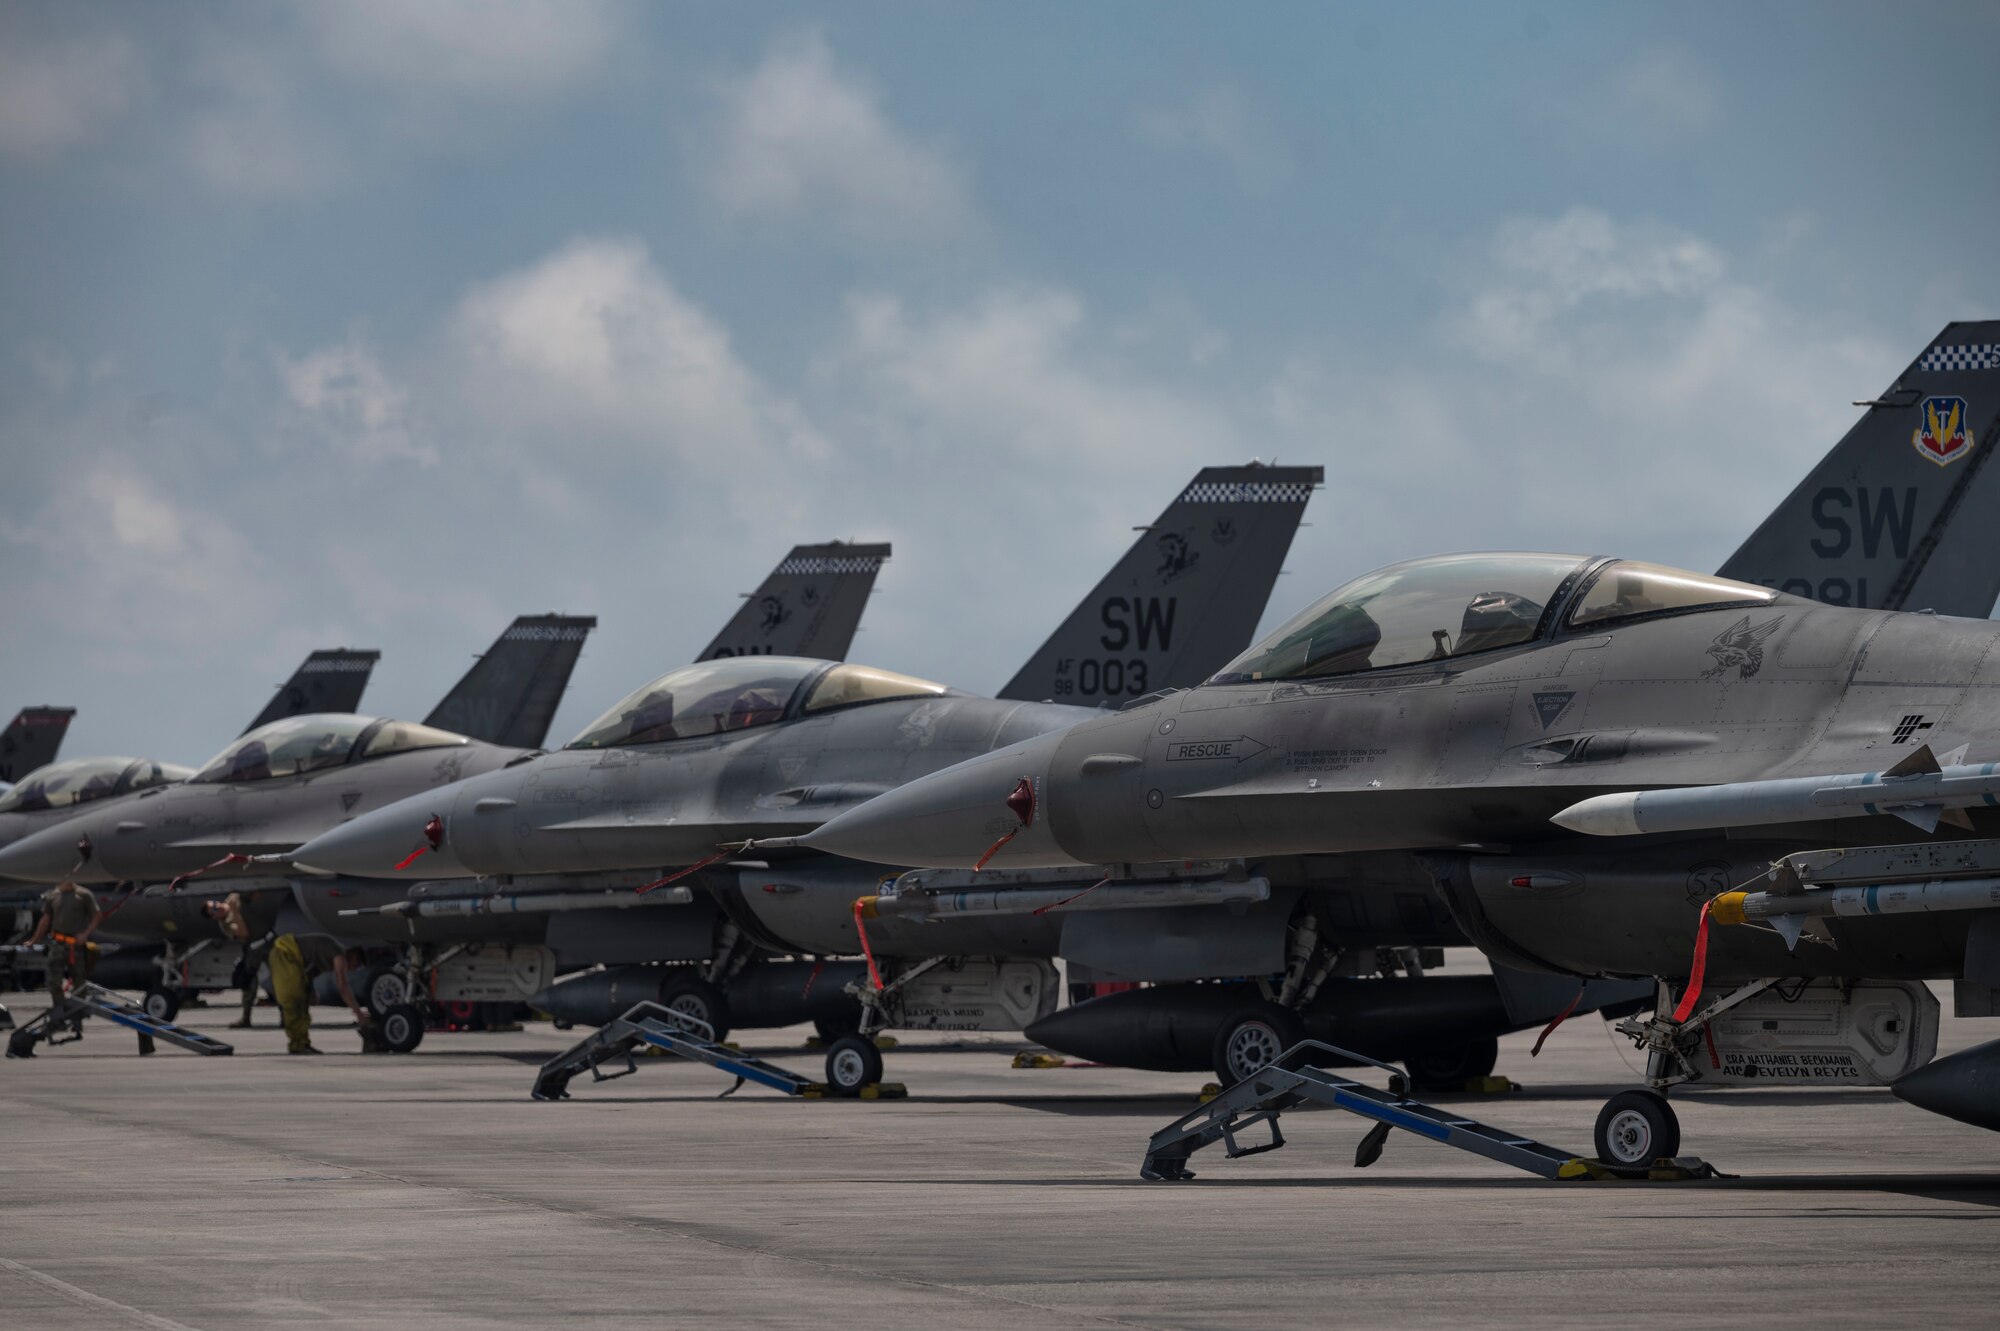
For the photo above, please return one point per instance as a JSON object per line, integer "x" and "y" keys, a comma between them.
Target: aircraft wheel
{"x": 1636, "y": 1128}
{"x": 382, "y": 988}
{"x": 21, "y": 1044}
{"x": 1252, "y": 1039}
{"x": 851, "y": 1063}
{"x": 161, "y": 1004}
{"x": 699, "y": 999}
{"x": 402, "y": 1028}
{"x": 1450, "y": 1067}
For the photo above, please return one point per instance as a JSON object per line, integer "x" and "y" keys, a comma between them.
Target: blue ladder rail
{"x": 1260, "y": 1099}
{"x": 677, "y": 1033}
{"x": 91, "y": 1000}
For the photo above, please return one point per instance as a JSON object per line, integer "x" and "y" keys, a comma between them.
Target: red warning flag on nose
{"x": 433, "y": 840}
{"x": 1021, "y": 803}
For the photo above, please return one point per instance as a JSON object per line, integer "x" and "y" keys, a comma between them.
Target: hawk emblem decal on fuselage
{"x": 1740, "y": 647}
{"x": 1944, "y": 432}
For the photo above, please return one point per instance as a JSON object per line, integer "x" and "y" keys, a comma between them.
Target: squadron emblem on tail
{"x": 1945, "y": 435}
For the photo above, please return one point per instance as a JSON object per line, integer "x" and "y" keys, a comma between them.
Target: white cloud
{"x": 347, "y": 396}
{"x": 1018, "y": 375}
{"x": 593, "y": 345}
{"x": 60, "y": 94}
{"x": 479, "y": 48}
{"x": 250, "y": 134}
{"x": 1667, "y": 94}
{"x": 1546, "y": 269}
{"x": 1603, "y": 385}
{"x": 1220, "y": 123}
{"x": 798, "y": 137}
{"x": 110, "y": 558}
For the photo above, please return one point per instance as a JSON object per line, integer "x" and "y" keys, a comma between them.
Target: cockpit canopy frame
{"x": 317, "y": 741}
{"x": 1446, "y": 607}
{"x": 81, "y": 780}
{"x": 740, "y": 693}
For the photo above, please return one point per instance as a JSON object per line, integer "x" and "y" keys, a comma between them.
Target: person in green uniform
{"x": 294, "y": 961}
{"x": 70, "y": 914}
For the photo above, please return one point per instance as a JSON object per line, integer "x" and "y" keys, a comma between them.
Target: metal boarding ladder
{"x": 1263, "y": 1097}
{"x": 91, "y": 1000}
{"x": 650, "y": 1024}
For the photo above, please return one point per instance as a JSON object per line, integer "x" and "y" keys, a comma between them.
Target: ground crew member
{"x": 228, "y": 913}
{"x": 294, "y": 961}
{"x": 70, "y": 914}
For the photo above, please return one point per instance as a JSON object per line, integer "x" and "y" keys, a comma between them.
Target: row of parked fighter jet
{"x": 1268, "y": 841}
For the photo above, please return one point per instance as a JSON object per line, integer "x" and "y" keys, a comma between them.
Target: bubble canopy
{"x": 311, "y": 743}
{"x": 59, "y": 785}
{"x": 1450, "y": 606}
{"x": 739, "y": 692}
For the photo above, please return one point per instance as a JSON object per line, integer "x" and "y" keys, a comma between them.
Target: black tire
{"x": 1450, "y": 1067}
{"x": 402, "y": 1028}
{"x": 380, "y": 988}
{"x": 21, "y": 1044}
{"x": 1635, "y": 1128}
{"x": 852, "y": 1062}
{"x": 161, "y": 1003}
{"x": 1251, "y": 1039}
{"x": 697, "y": 998}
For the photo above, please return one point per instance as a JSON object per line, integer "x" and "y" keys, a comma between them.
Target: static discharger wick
{"x": 1021, "y": 803}
{"x": 433, "y": 840}
{"x": 231, "y": 860}
{"x": 696, "y": 867}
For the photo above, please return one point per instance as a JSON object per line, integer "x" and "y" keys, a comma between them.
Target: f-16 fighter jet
{"x": 280, "y": 784}
{"x": 764, "y": 746}
{"x": 1319, "y": 925}
{"x": 272, "y": 788}
{"x": 1826, "y": 773}
{"x": 54, "y": 792}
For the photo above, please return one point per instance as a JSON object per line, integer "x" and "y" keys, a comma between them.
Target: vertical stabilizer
{"x": 331, "y": 680}
{"x": 511, "y": 693}
{"x": 1185, "y": 598}
{"x": 32, "y": 739}
{"x": 1904, "y": 513}
{"x": 809, "y": 606}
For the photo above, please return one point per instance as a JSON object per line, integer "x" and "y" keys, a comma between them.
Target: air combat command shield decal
{"x": 1944, "y": 431}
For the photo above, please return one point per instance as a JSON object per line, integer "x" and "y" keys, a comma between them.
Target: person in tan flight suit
{"x": 70, "y": 914}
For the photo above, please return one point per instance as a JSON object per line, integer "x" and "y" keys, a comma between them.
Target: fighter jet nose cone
{"x": 408, "y": 839}
{"x": 1965, "y": 1086}
{"x": 989, "y": 810}
{"x": 48, "y": 856}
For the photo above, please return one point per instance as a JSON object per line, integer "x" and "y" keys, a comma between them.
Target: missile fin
{"x": 1920, "y": 762}
{"x": 1791, "y": 926}
{"x": 1958, "y": 818}
{"x": 1923, "y": 817}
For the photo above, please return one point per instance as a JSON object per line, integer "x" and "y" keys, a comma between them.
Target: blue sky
{"x": 376, "y": 323}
